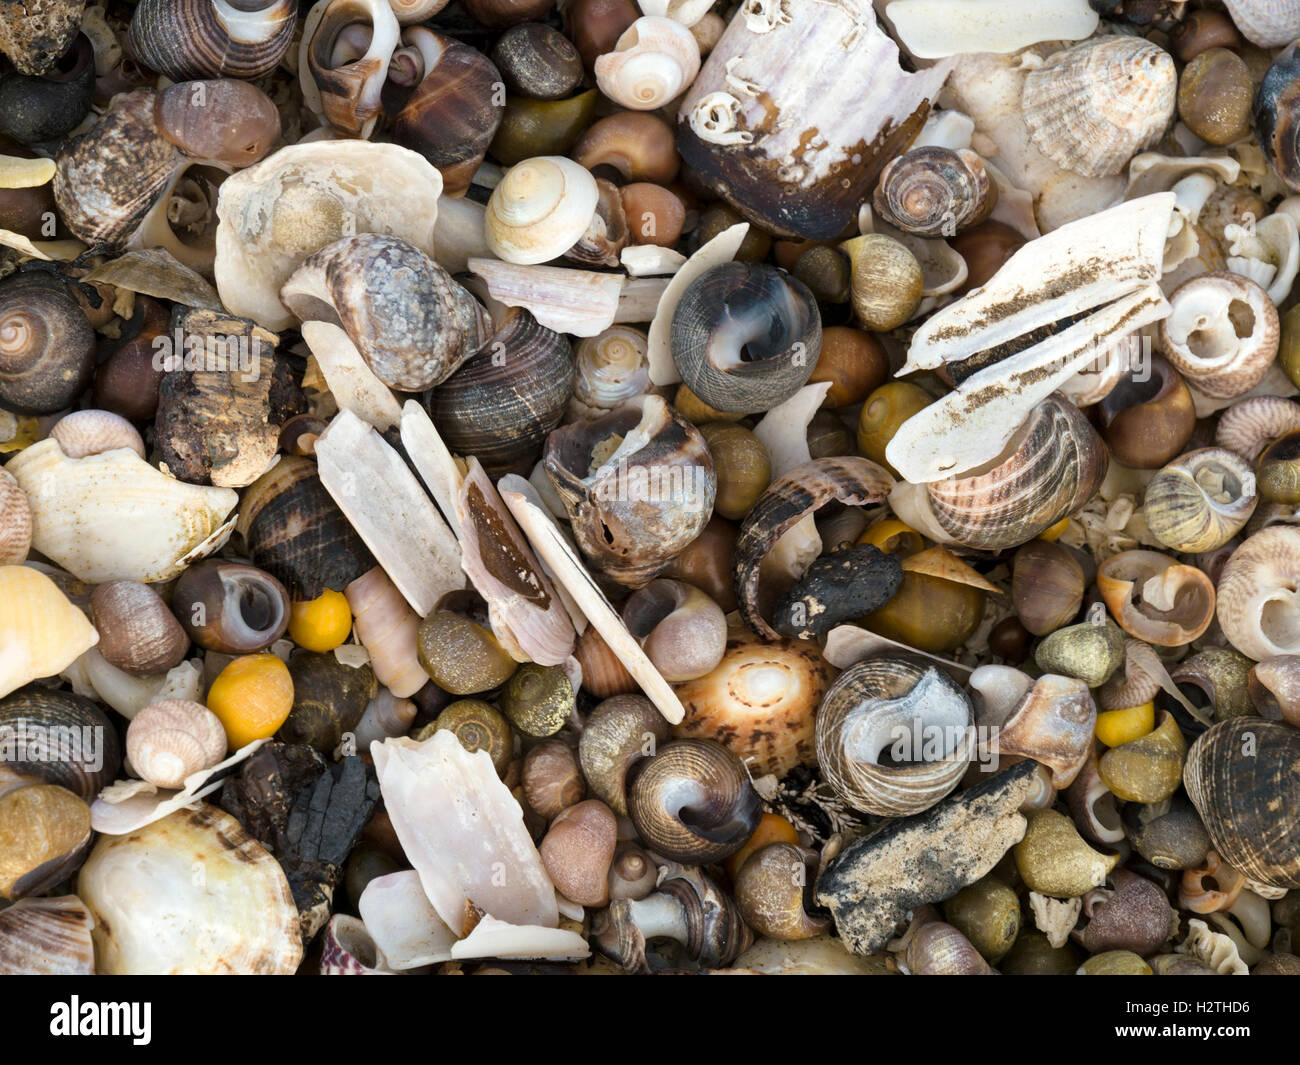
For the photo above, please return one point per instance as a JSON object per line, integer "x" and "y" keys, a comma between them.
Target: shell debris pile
{"x": 508, "y": 486}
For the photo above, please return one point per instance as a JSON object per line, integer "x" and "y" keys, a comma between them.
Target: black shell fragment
{"x": 839, "y": 587}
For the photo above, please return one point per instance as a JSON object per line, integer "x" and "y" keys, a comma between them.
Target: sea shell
{"x": 386, "y": 627}
{"x": 1092, "y": 107}
{"x": 1200, "y": 501}
{"x": 43, "y": 633}
{"x": 1267, "y": 23}
{"x": 343, "y": 61}
{"x": 172, "y": 739}
{"x": 147, "y": 526}
{"x": 540, "y": 209}
{"x": 1155, "y": 598}
{"x": 898, "y": 705}
{"x": 47, "y": 937}
{"x": 347, "y": 949}
{"x": 56, "y": 737}
{"x": 301, "y": 198}
{"x": 91, "y": 432}
{"x": 192, "y": 893}
{"x": 1250, "y": 424}
{"x": 1257, "y": 597}
{"x": 1053, "y": 724}
{"x": 1241, "y": 777}
{"x": 15, "y": 521}
{"x": 1053, "y": 466}
{"x": 186, "y": 39}
{"x": 407, "y": 931}
{"x": 464, "y": 832}
{"x": 652, "y": 62}
{"x": 1221, "y": 334}
{"x": 935, "y": 192}
{"x": 609, "y": 370}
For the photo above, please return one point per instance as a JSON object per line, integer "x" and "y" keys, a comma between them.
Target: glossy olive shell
{"x": 745, "y": 337}
{"x": 500, "y": 405}
{"x": 693, "y": 803}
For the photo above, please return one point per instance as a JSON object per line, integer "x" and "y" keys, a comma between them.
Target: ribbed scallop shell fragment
{"x": 1092, "y": 107}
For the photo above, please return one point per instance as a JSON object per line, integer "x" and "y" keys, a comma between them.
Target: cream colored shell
{"x": 653, "y": 62}
{"x": 41, "y": 632}
{"x": 171, "y": 739}
{"x": 1268, "y": 23}
{"x": 114, "y": 517}
{"x": 1222, "y": 333}
{"x": 1258, "y": 605}
{"x": 15, "y": 521}
{"x": 275, "y": 214}
{"x": 1092, "y": 107}
{"x": 540, "y": 209}
{"x": 92, "y": 432}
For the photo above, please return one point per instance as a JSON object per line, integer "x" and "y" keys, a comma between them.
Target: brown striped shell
{"x": 852, "y": 481}
{"x": 893, "y": 735}
{"x": 502, "y": 402}
{"x": 1258, "y": 601}
{"x": 47, "y": 937}
{"x": 1243, "y": 777}
{"x": 57, "y": 737}
{"x": 1136, "y": 681}
{"x": 1250, "y": 424}
{"x": 187, "y": 39}
{"x": 934, "y": 191}
{"x": 1090, "y": 108}
{"x": 293, "y": 529}
{"x": 1200, "y": 501}
{"x": 1052, "y": 467}
{"x": 15, "y": 521}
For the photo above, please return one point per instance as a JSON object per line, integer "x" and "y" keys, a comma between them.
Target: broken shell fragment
{"x": 47, "y": 937}
{"x": 1052, "y": 724}
{"x": 1221, "y": 334}
{"x": 1257, "y": 597}
{"x": 1156, "y": 599}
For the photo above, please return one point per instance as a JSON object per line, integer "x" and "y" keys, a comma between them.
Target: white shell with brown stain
{"x": 652, "y": 62}
{"x": 1258, "y": 601}
{"x": 1093, "y": 106}
{"x": 47, "y": 937}
{"x": 1053, "y": 467}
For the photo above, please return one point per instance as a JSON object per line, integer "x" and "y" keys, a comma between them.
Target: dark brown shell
{"x": 56, "y": 737}
{"x": 452, "y": 115}
{"x": 853, "y": 481}
{"x": 47, "y": 346}
{"x": 34, "y": 34}
{"x": 186, "y": 39}
{"x": 293, "y": 529}
{"x": 36, "y": 109}
{"x": 502, "y": 402}
{"x": 1277, "y": 116}
{"x": 614, "y": 737}
{"x": 1243, "y": 777}
{"x": 221, "y": 120}
{"x": 328, "y": 700}
{"x": 746, "y": 336}
{"x": 107, "y": 179}
{"x": 137, "y": 632}
{"x": 231, "y": 608}
{"x": 537, "y": 61}
{"x": 1135, "y": 916}
{"x": 693, "y": 803}
{"x": 632, "y": 515}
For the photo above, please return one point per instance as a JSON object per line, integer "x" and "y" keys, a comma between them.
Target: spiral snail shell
{"x": 541, "y": 208}
{"x": 343, "y": 61}
{"x": 186, "y": 39}
{"x": 746, "y": 337}
{"x": 47, "y": 346}
{"x": 893, "y": 702}
{"x": 652, "y": 62}
{"x": 1200, "y": 501}
{"x": 222, "y": 120}
{"x": 173, "y": 738}
{"x": 610, "y": 369}
{"x": 1257, "y": 598}
{"x": 1222, "y": 333}
{"x": 935, "y": 192}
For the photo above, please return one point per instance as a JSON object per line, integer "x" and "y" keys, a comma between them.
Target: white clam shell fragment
{"x": 192, "y": 893}
{"x": 498, "y": 939}
{"x": 540, "y": 209}
{"x": 1102, "y": 271}
{"x": 275, "y": 214}
{"x": 114, "y": 517}
{"x": 932, "y": 29}
{"x": 463, "y": 832}
{"x": 406, "y": 929}
{"x": 582, "y": 302}
{"x": 652, "y": 62}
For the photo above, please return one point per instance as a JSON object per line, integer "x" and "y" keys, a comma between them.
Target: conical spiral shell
{"x": 610, "y": 369}
{"x": 1092, "y": 107}
{"x": 15, "y": 521}
{"x": 1054, "y": 466}
{"x": 1243, "y": 777}
{"x": 92, "y": 432}
{"x": 59, "y": 738}
{"x": 540, "y": 209}
{"x": 1200, "y": 501}
{"x": 47, "y": 937}
{"x": 652, "y": 62}
{"x": 934, "y": 192}
{"x": 187, "y": 39}
{"x": 886, "y": 703}
{"x": 171, "y": 739}
{"x": 1259, "y": 594}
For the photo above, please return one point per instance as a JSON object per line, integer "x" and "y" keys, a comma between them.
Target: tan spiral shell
{"x": 934, "y": 192}
{"x": 1201, "y": 500}
{"x": 1090, "y": 108}
{"x": 92, "y": 432}
{"x": 15, "y": 521}
{"x": 1250, "y": 424}
{"x": 1258, "y": 601}
{"x": 171, "y": 739}
{"x": 1052, "y": 467}
{"x": 878, "y": 704}
{"x": 1222, "y": 333}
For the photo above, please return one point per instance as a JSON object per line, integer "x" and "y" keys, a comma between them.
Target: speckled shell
{"x": 1200, "y": 501}
{"x": 636, "y": 508}
{"x": 192, "y": 893}
{"x": 746, "y": 336}
{"x": 761, "y": 701}
{"x": 1277, "y": 115}
{"x": 502, "y": 402}
{"x": 410, "y": 321}
{"x": 1257, "y": 597}
{"x": 56, "y": 737}
{"x": 15, "y": 521}
{"x": 1090, "y": 108}
{"x": 1243, "y": 776}
{"x": 934, "y": 191}
{"x": 1051, "y": 469}
{"x": 788, "y": 500}
{"x": 108, "y": 178}
{"x": 294, "y": 530}
{"x": 187, "y": 39}
{"x": 885, "y": 701}
{"x": 35, "y": 34}
{"x": 47, "y": 937}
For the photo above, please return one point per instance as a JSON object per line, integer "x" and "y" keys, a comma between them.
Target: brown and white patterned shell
{"x": 873, "y": 706}
{"x": 1252, "y": 423}
{"x": 1243, "y": 777}
{"x": 934, "y": 191}
{"x": 1258, "y": 605}
{"x": 853, "y": 481}
{"x": 1092, "y": 107}
{"x": 15, "y": 521}
{"x": 1054, "y": 466}
{"x": 1267, "y": 23}
{"x": 47, "y": 937}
